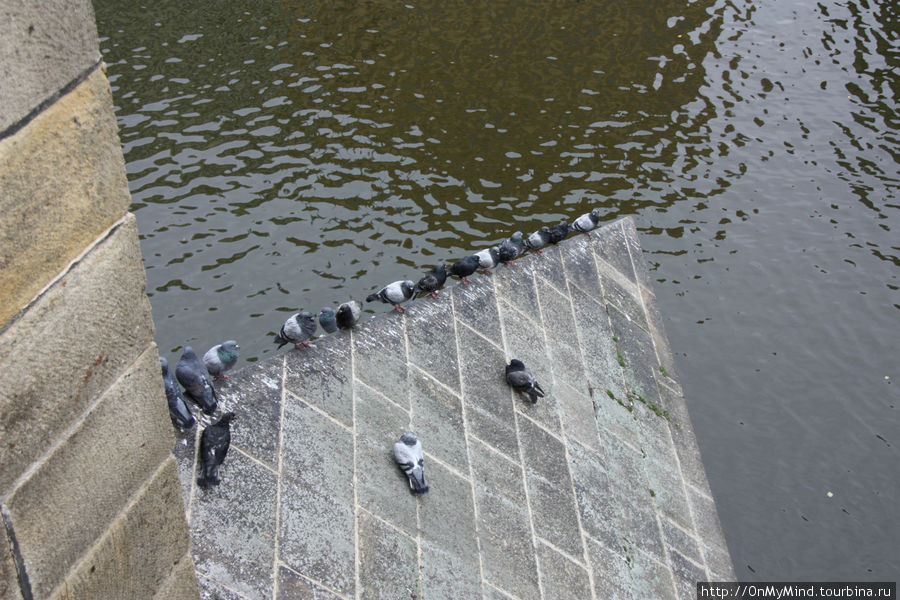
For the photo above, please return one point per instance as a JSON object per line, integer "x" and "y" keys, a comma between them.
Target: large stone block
{"x": 144, "y": 550}
{"x": 69, "y": 347}
{"x": 56, "y": 200}
{"x": 43, "y": 47}
{"x": 71, "y": 497}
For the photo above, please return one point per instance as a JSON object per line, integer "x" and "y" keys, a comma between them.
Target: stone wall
{"x": 91, "y": 503}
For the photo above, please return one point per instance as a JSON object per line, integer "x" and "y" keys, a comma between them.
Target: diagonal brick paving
{"x": 597, "y": 491}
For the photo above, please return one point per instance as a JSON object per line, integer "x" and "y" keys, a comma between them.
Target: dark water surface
{"x": 295, "y": 154}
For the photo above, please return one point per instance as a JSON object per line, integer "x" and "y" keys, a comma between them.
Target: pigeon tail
{"x": 280, "y": 340}
{"x": 417, "y": 483}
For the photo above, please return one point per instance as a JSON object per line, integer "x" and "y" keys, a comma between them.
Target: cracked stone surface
{"x": 598, "y": 491}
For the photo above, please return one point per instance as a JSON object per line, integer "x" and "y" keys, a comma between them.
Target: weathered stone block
{"x": 612, "y": 576}
{"x": 293, "y": 586}
{"x": 601, "y": 517}
{"x": 650, "y": 578}
{"x": 437, "y": 419}
{"x": 507, "y": 544}
{"x": 681, "y": 540}
{"x": 9, "y": 582}
{"x": 611, "y": 246}
{"x": 43, "y": 47}
{"x": 476, "y": 306}
{"x": 388, "y": 561}
{"x": 316, "y": 532}
{"x": 516, "y": 285}
{"x": 141, "y": 549}
{"x": 562, "y": 578}
{"x": 550, "y": 490}
{"x": 255, "y": 395}
{"x": 323, "y": 375}
{"x": 628, "y": 481}
{"x": 706, "y": 519}
{"x": 637, "y": 354}
{"x": 580, "y": 268}
{"x": 577, "y": 415}
{"x": 429, "y": 320}
{"x": 55, "y": 202}
{"x": 233, "y": 527}
{"x": 559, "y": 319}
{"x": 548, "y": 267}
{"x": 105, "y": 328}
{"x": 379, "y": 357}
{"x": 96, "y": 469}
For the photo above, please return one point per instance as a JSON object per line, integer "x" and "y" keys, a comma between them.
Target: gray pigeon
{"x": 432, "y": 281}
{"x": 347, "y": 314}
{"x": 511, "y": 248}
{"x": 178, "y": 410}
{"x": 465, "y": 267}
{"x": 538, "y": 239}
{"x": 191, "y": 374}
{"x": 488, "y": 258}
{"x": 220, "y": 358}
{"x": 586, "y": 222}
{"x": 214, "y": 443}
{"x": 394, "y": 293}
{"x": 521, "y": 380}
{"x": 326, "y": 320}
{"x": 297, "y": 329}
{"x": 409, "y": 456}
{"x": 559, "y": 232}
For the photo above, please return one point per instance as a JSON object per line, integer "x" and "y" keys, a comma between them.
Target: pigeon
{"x": 432, "y": 281}
{"x": 465, "y": 267}
{"x": 511, "y": 248}
{"x": 192, "y": 375}
{"x": 409, "y": 456}
{"x": 297, "y": 329}
{"x": 347, "y": 314}
{"x": 221, "y": 358}
{"x": 214, "y": 443}
{"x": 538, "y": 239}
{"x": 521, "y": 380}
{"x": 394, "y": 293}
{"x": 488, "y": 258}
{"x": 586, "y": 222}
{"x": 559, "y": 232}
{"x": 178, "y": 410}
{"x": 326, "y": 320}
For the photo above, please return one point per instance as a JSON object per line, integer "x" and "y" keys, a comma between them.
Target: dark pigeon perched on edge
{"x": 559, "y": 232}
{"x": 347, "y": 314}
{"x": 411, "y": 460}
{"x": 395, "y": 293}
{"x": 297, "y": 329}
{"x": 327, "y": 320}
{"x": 431, "y": 282}
{"x": 214, "y": 443}
{"x": 221, "y": 358}
{"x": 192, "y": 375}
{"x": 510, "y": 248}
{"x": 520, "y": 378}
{"x": 465, "y": 267}
{"x": 178, "y": 410}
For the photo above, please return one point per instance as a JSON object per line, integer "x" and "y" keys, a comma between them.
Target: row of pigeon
{"x": 196, "y": 375}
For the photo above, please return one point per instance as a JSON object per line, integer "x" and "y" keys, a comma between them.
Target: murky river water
{"x": 295, "y": 154}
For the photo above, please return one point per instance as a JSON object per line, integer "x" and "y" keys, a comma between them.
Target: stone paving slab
{"x": 597, "y": 491}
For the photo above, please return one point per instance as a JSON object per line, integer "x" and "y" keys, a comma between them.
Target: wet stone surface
{"x": 590, "y": 493}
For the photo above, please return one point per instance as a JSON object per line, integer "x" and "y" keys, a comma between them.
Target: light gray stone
{"x": 388, "y": 561}
{"x": 233, "y": 527}
{"x": 428, "y": 320}
{"x": 476, "y": 306}
{"x": 379, "y": 356}
{"x": 293, "y": 586}
{"x": 550, "y": 490}
{"x": 437, "y": 419}
{"x": 581, "y": 270}
{"x": 601, "y": 517}
{"x": 516, "y": 285}
{"x": 559, "y": 323}
{"x": 562, "y": 578}
{"x": 254, "y": 394}
{"x": 323, "y": 376}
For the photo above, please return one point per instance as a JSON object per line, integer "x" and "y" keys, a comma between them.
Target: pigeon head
{"x": 304, "y": 317}
{"x": 189, "y": 353}
{"x": 516, "y": 364}
{"x": 595, "y": 215}
{"x": 326, "y": 314}
{"x": 409, "y": 439}
{"x": 407, "y": 287}
{"x": 228, "y": 350}
{"x": 226, "y": 419}
{"x": 516, "y": 238}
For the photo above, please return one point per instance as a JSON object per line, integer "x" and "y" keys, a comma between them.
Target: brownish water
{"x": 286, "y": 155}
